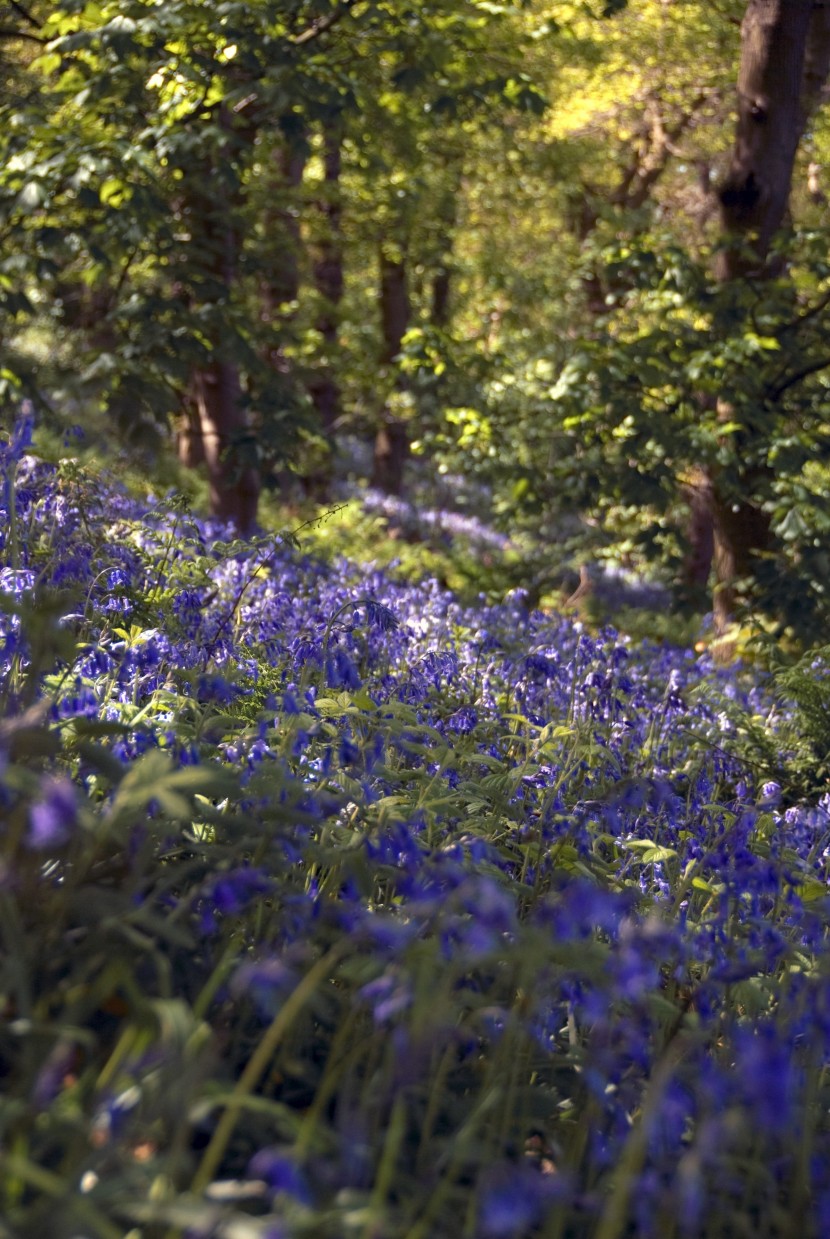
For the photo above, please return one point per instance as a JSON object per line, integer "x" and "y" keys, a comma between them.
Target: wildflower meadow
{"x": 333, "y": 906}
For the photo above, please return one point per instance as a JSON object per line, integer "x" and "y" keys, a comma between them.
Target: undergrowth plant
{"x": 330, "y": 906}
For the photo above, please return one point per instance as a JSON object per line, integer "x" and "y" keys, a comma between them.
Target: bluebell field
{"x": 332, "y": 907}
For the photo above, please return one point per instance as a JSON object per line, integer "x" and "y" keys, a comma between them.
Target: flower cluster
{"x": 331, "y": 897}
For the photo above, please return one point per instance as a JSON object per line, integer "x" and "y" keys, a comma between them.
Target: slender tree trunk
{"x": 394, "y": 302}
{"x": 700, "y": 532}
{"x": 216, "y": 422}
{"x": 441, "y": 299}
{"x": 280, "y": 286}
{"x": 390, "y": 456}
{"x": 440, "y": 310}
{"x": 328, "y": 277}
{"x": 392, "y": 441}
{"x": 216, "y": 410}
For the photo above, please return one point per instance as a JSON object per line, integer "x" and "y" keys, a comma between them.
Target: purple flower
{"x": 50, "y": 1079}
{"x": 388, "y": 995}
{"x": 515, "y": 1198}
{"x": 463, "y": 721}
{"x": 229, "y": 894}
{"x": 341, "y": 671}
{"x": 281, "y": 1173}
{"x": 770, "y": 795}
{"x": 23, "y": 431}
{"x": 267, "y": 981}
{"x": 381, "y": 616}
{"x": 52, "y": 817}
{"x": 766, "y": 1076}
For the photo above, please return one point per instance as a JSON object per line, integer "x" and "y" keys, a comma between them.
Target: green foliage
{"x": 684, "y": 376}
{"x": 792, "y": 746}
{"x": 804, "y": 693}
{"x": 545, "y": 169}
{"x": 142, "y": 137}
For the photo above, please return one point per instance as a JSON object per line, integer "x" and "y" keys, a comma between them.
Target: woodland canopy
{"x": 572, "y": 251}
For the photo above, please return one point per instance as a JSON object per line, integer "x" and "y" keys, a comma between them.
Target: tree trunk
{"x": 697, "y": 493}
{"x": 323, "y": 387}
{"x": 394, "y": 302}
{"x": 280, "y": 287}
{"x": 392, "y": 441}
{"x": 390, "y": 456}
{"x": 215, "y": 409}
{"x": 740, "y": 531}
{"x": 216, "y": 424}
{"x": 441, "y": 286}
{"x": 756, "y": 190}
{"x": 446, "y": 219}
{"x": 785, "y": 57}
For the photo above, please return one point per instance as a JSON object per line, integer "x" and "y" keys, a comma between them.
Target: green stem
{"x": 259, "y": 1062}
{"x": 612, "y": 1223}
{"x": 14, "y": 544}
{"x": 53, "y": 1185}
{"x": 395, "y": 1133}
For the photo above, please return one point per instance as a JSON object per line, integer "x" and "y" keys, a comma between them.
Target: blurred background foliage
{"x": 471, "y": 253}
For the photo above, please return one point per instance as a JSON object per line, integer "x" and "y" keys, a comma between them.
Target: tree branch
{"x": 7, "y": 33}
{"x": 809, "y": 313}
{"x": 25, "y": 14}
{"x": 658, "y": 144}
{"x": 322, "y": 24}
{"x": 804, "y": 373}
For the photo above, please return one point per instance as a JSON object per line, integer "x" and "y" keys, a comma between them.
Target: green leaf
{"x": 651, "y": 852}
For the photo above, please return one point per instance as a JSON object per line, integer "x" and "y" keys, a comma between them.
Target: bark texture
{"x": 392, "y": 441}
{"x": 328, "y": 277}
{"x": 785, "y": 58}
{"x": 756, "y": 189}
{"x": 441, "y": 290}
{"x": 394, "y": 302}
{"x": 215, "y": 412}
{"x": 816, "y": 62}
{"x": 280, "y": 287}
{"x": 215, "y": 419}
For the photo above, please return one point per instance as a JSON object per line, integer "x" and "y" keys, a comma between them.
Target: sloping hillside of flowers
{"x": 329, "y": 907}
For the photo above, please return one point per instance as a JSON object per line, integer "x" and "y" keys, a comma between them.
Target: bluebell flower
{"x": 53, "y": 816}
{"x": 691, "y": 1193}
{"x": 216, "y": 688}
{"x": 463, "y": 721}
{"x": 381, "y": 616}
{"x": 282, "y": 1174}
{"x": 388, "y": 995}
{"x": 61, "y": 1061}
{"x": 766, "y": 1075}
{"x": 348, "y": 753}
{"x": 770, "y": 795}
{"x": 341, "y": 671}
{"x": 514, "y": 1199}
{"x": 113, "y": 1115}
{"x": 23, "y": 433}
{"x": 188, "y": 608}
{"x": 386, "y": 934}
{"x": 268, "y": 982}
{"x": 229, "y": 894}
